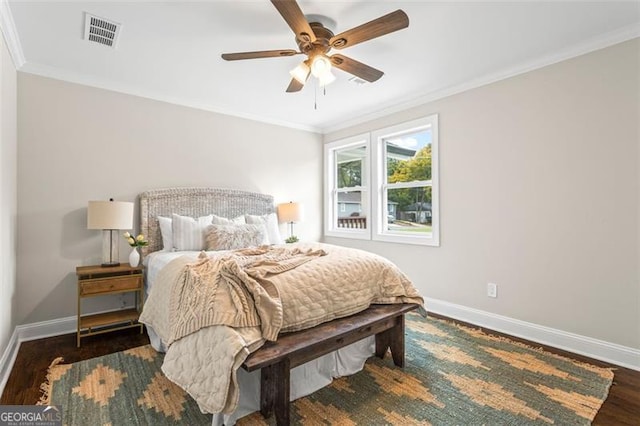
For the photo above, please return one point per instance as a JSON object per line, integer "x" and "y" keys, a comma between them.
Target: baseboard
{"x": 583, "y": 345}
{"x": 34, "y": 331}
{"x": 587, "y": 346}
{"x": 24, "y": 333}
{"x": 8, "y": 358}
{"x": 40, "y": 330}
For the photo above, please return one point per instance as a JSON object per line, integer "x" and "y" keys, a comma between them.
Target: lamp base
{"x": 110, "y": 256}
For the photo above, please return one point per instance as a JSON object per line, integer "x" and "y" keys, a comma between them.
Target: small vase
{"x": 134, "y": 257}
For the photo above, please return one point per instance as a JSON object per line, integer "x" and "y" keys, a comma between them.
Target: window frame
{"x": 374, "y": 192}
{"x": 379, "y": 182}
{"x": 332, "y": 190}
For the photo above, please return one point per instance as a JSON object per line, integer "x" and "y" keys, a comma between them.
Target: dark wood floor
{"x": 622, "y": 407}
{"x": 34, "y": 357}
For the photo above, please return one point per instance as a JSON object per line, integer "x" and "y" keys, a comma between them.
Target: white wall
{"x": 78, "y": 143}
{"x": 8, "y": 197}
{"x": 540, "y": 194}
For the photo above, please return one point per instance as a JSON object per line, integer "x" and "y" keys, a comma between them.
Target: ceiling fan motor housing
{"x": 319, "y": 47}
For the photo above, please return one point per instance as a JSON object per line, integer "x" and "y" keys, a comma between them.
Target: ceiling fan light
{"x": 300, "y": 73}
{"x": 320, "y": 65}
{"x": 326, "y": 78}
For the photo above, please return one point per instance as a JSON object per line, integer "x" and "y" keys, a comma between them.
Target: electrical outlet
{"x": 492, "y": 290}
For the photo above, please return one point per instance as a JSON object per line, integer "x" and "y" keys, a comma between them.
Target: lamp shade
{"x": 289, "y": 212}
{"x": 301, "y": 72}
{"x": 326, "y": 78}
{"x": 110, "y": 215}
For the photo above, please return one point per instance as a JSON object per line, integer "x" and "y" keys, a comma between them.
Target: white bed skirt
{"x": 305, "y": 379}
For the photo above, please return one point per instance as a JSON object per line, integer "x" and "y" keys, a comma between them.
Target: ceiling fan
{"x": 315, "y": 41}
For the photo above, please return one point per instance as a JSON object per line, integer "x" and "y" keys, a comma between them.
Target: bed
{"x": 197, "y": 202}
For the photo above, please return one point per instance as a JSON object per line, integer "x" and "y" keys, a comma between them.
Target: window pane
{"x": 350, "y": 211}
{"x": 409, "y": 157}
{"x": 349, "y": 165}
{"x": 409, "y": 210}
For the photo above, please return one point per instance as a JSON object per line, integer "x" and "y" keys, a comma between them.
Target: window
{"x": 399, "y": 203}
{"x": 347, "y": 199}
{"x": 405, "y": 158}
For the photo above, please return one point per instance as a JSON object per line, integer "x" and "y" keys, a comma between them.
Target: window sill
{"x": 359, "y": 234}
{"x": 432, "y": 241}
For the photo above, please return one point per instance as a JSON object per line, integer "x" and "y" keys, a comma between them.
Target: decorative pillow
{"x": 219, "y": 220}
{"x": 188, "y": 233}
{"x": 166, "y": 232}
{"x": 231, "y": 237}
{"x": 270, "y": 221}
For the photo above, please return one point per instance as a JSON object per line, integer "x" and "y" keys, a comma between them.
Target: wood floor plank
{"x": 34, "y": 357}
{"x": 622, "y": 407}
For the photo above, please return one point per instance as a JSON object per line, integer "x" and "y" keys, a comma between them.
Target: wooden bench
{"x": 276, "y": 359}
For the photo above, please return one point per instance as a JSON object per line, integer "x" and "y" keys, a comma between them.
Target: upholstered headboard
{"x": 195, "y": 202}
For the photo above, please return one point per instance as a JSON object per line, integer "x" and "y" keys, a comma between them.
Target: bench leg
{"x": 392, "y": 338}
{"x": 382, "y": 343}
{"x": 274, "y": 392}
{"x": 267, "y": 391}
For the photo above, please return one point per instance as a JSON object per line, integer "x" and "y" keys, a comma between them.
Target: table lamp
{"x": 290, "y": 213}
{"x": 110, "y": 216}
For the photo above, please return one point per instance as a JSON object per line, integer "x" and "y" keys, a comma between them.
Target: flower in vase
{"x": 138, "y": 241}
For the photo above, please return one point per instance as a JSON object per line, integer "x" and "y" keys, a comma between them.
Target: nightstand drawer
{"x": 110, "y": 285}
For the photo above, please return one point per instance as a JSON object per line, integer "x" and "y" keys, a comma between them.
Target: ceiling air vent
{"x": 357, "y": 81}
{"x": 100, "y": 30}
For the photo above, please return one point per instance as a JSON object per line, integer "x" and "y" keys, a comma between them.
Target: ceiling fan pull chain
{"x": 315, "y": 97}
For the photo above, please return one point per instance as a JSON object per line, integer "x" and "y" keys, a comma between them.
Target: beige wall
{"x": 539, "y": 179}
{"x": 8, "y": 197}
{"x": 539, "y": 188}
{"x": 78, "y": 143}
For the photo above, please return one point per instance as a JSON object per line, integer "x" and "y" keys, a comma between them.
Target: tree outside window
{"x": 383, "y": 185}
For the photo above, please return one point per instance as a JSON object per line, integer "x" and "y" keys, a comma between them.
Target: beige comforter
{"x": 214, "y": 312}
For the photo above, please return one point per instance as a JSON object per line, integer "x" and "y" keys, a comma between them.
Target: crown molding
{"x": 8, "y": 27}
{"x": 105, "y": 84}
{"x": 600, "y": 42}
{"x": 603, "y": 41}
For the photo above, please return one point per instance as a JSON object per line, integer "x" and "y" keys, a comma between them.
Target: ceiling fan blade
{"x": 356, "y": 68}
{"x": 259, "y": 54}
{"x": 292, "y": 13}
{"x": 294, "y": 86}
{"x": 386, "y": 24}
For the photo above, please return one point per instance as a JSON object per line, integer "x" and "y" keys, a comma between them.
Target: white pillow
{"x": 188, "y": 233}
{"x": 166, "y": 232}
{"x": 270, "y": 221}
{"x": 219, "y": 220}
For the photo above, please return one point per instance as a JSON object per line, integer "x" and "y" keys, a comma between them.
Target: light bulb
{"x": 320, "y": 65}
{"x": 300, "y": 73}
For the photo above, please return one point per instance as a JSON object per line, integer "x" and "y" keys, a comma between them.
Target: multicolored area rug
{"x": 454, "y": 375}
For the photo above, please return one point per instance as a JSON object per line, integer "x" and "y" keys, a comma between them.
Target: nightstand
{"x": 96, "y": 281}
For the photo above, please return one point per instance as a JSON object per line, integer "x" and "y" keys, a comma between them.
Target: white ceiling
{"x": 171, "y": 50}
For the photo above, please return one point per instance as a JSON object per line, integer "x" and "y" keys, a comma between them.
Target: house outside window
{"x": 401, "y": 202}
{"x": 347, "y": 171}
